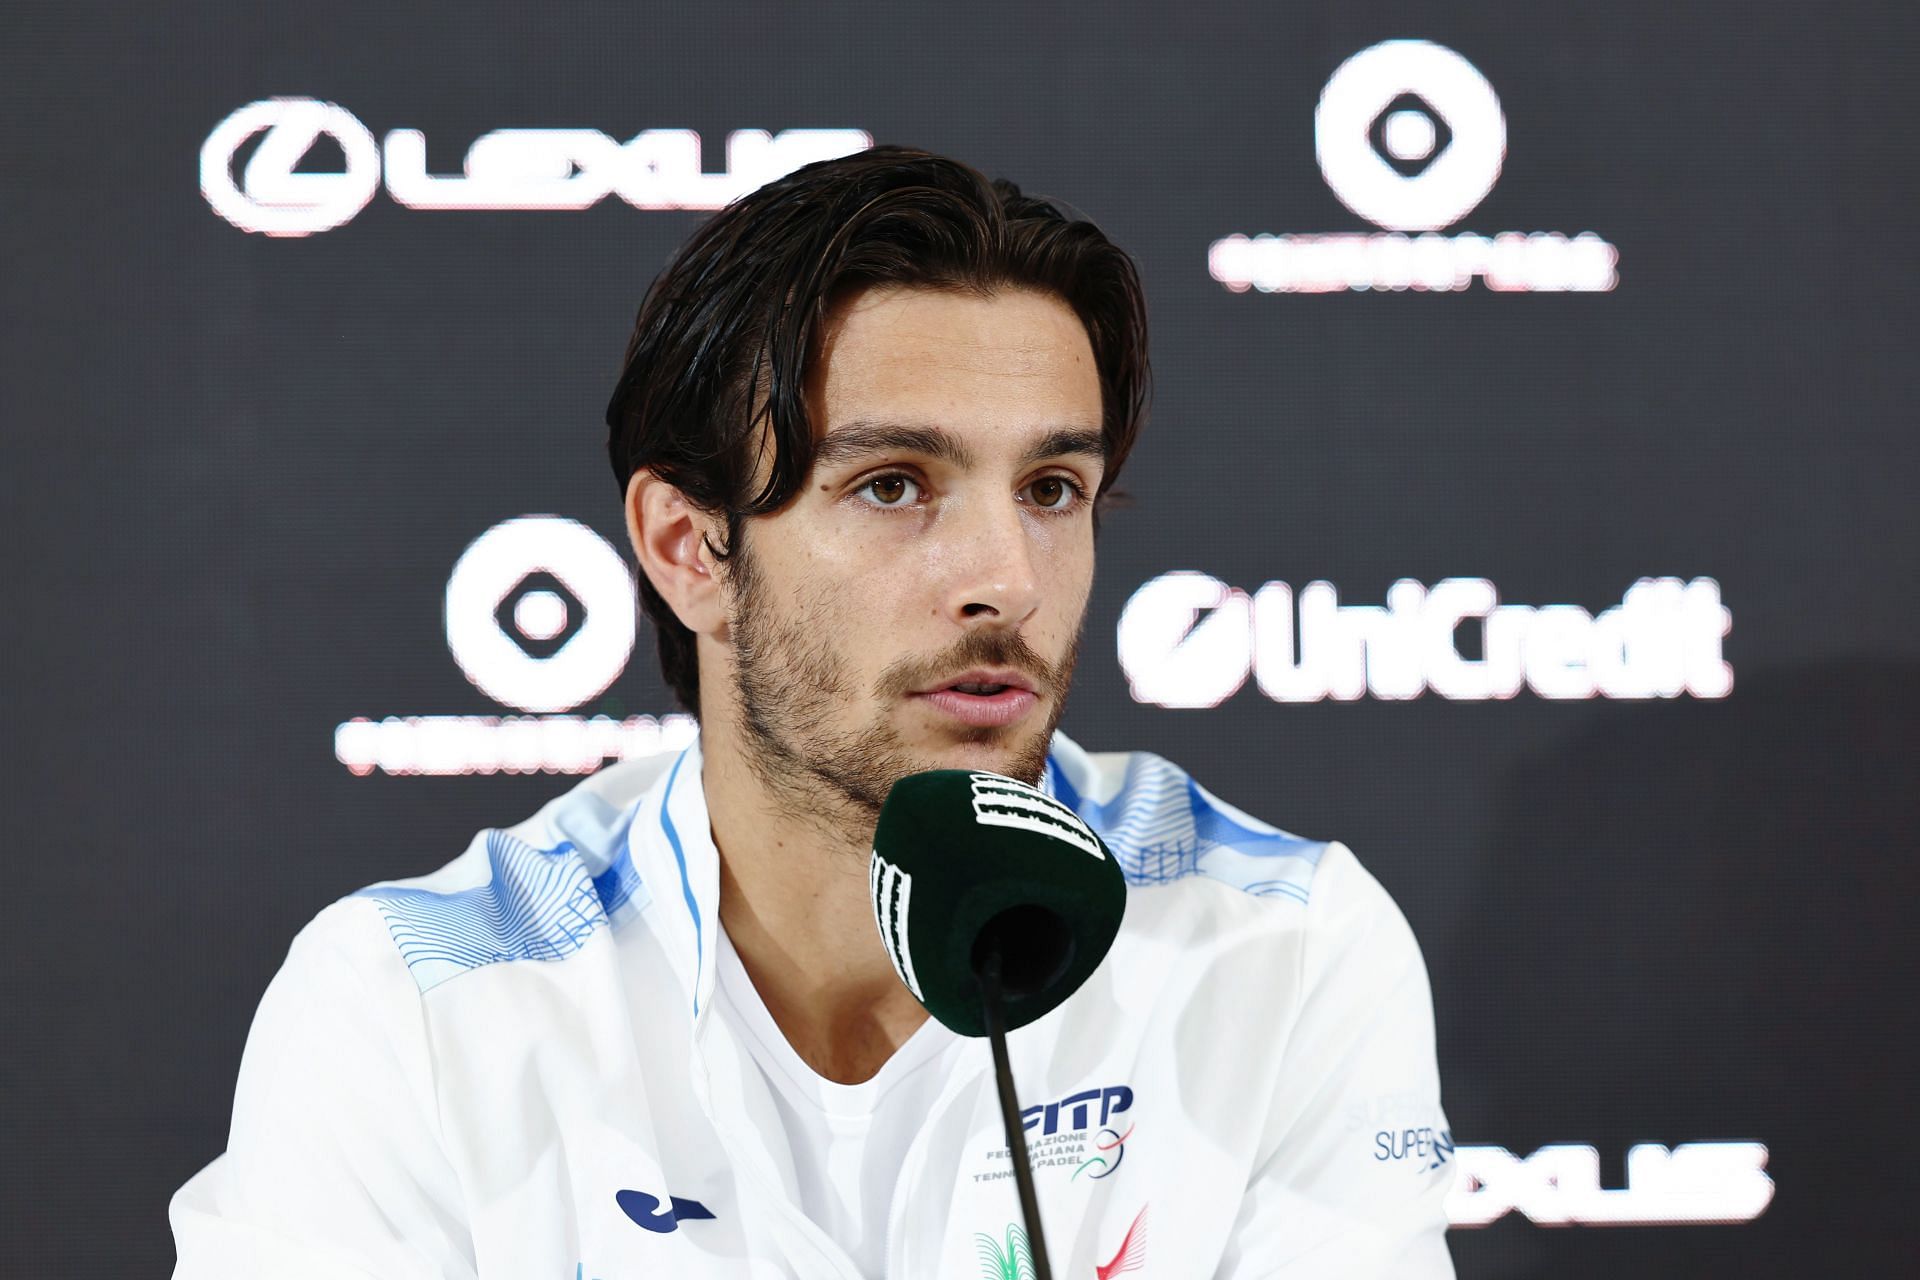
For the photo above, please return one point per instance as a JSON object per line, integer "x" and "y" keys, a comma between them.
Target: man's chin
{"x": 1015, "y": 752}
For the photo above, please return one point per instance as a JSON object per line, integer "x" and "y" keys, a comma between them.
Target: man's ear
{"x": 669, "y": 539}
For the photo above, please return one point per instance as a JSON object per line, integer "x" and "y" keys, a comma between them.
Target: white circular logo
{"x": 1458, "y": 178}
{"x": 270, "y": 196}
{"x": 500, "y": 560}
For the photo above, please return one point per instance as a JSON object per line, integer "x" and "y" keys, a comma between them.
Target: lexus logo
{"x": 517, "y": 169}
{"x": 272, "y": 198}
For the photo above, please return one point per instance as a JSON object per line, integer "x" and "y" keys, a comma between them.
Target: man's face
{"x": 918, "y": 604}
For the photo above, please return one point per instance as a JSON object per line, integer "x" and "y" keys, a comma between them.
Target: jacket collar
{"x": 673, "y": 851}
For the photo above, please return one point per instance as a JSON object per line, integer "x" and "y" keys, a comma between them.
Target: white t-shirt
{"x": 849, "y": 1141}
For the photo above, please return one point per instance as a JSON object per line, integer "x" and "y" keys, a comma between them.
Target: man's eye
{"x": 1053, "y": 493}
{"x": 889, "y": 490}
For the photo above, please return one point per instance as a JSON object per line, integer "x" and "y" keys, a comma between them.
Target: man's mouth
{"x": 983, "y": 698}
{"x": 986, "y": 681}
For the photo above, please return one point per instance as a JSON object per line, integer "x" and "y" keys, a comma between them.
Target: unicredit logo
{"x": 1187, "y": 639}
{"x": 1411, "y": 136}
{"x": 523, "y": 169}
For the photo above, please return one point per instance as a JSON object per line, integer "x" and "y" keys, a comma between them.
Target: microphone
{"x": 996, "y": 903}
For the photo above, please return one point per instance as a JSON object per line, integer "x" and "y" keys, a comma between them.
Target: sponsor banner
{"x": 1411, "y": 137}
{"x": 1691, "y": 1184}
{"x": 1187, "y": 639}
{"x": 540, "y": 614}
{"x": 512, "y": 169}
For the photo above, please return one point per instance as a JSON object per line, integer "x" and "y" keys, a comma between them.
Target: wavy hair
{"x": 721, "y": 347}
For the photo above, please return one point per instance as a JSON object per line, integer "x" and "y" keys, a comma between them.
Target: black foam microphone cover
{"x": 968, "y": 863}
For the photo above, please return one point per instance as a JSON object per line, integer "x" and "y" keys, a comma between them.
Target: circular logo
{"x": 1111, "y": 1146}
{"x": 516, "y": 669}
{"x": 270, "y": 196}
{"x": 1452, "y": 96}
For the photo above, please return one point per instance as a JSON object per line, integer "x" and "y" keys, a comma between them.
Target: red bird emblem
{"x": 1132, "y": 1252}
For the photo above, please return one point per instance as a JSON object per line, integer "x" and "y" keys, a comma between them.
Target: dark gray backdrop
{"x": 237, "y": 470}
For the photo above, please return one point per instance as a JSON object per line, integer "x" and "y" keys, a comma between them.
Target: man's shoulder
{"x": 1165, "y": 829}
{"x": 536, "y": 890}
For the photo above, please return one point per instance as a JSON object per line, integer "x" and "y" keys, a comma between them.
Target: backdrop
{"x": 1526, "y": 502}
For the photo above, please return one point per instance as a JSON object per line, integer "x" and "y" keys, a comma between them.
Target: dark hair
{"x": 726, "y": 332}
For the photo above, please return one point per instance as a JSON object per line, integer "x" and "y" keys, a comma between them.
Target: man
{"x": 653, "y": 1030}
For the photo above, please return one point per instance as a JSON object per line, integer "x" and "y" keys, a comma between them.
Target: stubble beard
{"x": 792, "y": 688}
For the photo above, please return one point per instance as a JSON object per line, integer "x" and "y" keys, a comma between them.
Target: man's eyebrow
{"x": 859, "y": 439}
{"x": 1064, "y": 442}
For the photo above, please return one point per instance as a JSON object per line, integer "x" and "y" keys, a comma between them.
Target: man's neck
{"x": 793, "y": 900}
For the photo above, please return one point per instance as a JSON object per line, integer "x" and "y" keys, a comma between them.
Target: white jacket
{"x": 507, "y": 1069}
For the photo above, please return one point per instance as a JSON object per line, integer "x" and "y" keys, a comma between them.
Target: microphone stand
{"x": 1010, "y": 1111}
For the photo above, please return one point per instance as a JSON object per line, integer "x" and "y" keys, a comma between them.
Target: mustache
{"x": 980, "y": 649}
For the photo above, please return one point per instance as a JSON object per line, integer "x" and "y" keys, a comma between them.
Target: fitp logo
{"x": 540, "y": 615}
{"x": 1410, "y": 136}
{"x": 1082, "y": 1133}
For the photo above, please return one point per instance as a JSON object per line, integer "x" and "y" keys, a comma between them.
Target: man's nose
{"x": 996, "y": 577}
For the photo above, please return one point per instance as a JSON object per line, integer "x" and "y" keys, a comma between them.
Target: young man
{"x": 653, "y": 1030}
